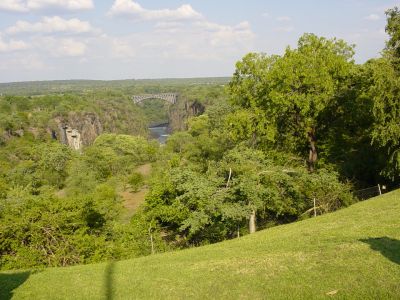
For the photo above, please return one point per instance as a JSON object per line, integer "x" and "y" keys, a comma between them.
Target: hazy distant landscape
{"x": 279, "y": 180}
{"x": 78, "y": 86}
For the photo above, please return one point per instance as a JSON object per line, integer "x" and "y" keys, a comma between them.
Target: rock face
{"x": 181, "y": 112}
{"x": 79, "y": 129}
{"x": 72, "y": 138}
{"x": 88, "y": 124}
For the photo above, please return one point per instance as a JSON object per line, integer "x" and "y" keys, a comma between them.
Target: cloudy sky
{"x": 120, "y": 39}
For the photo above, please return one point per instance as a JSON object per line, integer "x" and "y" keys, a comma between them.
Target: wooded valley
{"x": 286, "y": 137}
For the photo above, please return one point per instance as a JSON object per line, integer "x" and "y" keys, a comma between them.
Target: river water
{"x": 159, "y": 133}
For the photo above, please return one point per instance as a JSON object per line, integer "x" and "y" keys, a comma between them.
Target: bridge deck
{"x": 169, "y": 97}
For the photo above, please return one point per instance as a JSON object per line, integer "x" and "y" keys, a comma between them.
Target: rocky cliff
{"x": 182, "y": 111}
{"x": 78, "y": 129}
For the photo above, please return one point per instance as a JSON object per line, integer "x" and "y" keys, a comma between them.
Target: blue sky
{"x": 120, "y": 39}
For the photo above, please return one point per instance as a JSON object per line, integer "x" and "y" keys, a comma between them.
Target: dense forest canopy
{"x": 288, "y": 137}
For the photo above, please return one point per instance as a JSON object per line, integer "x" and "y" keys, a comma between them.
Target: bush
{"x": 135, "y": 180}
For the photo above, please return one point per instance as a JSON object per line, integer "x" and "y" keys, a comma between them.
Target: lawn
{"x": 353, "y": 253}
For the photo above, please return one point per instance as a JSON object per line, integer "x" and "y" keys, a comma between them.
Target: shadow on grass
{"x": 10, "y": 281}
{"x": 109, "y": 274}
{"x": 388, "y": 247}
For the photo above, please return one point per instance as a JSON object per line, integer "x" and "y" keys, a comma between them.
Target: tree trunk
{"x": 252, "y": 222}
{"x": 312, "y": 157}
{"x": 229, "y": 178}
{"x": 151, "y": 241}
{"x": 253, "y": 140}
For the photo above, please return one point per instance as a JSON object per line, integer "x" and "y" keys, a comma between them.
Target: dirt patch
{"x": 61, "y": 193}
{"x": 145, "y": 170}
{"x": 132, "y": 200}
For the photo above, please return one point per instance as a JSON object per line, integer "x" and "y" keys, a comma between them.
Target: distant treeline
{"x": 31, "y": 88}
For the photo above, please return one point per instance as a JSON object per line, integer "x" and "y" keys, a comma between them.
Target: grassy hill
{"x": 350, "y": 254}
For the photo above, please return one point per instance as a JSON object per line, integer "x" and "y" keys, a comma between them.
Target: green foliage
{"x": 209, "y": 206}
{"x": 135, "y": 180}
{"x": 179, "y": 142}
{"x": 113, "y": 154}
{"x": 364, "y": 239}
{"x": 155, "y": 110}
{"x": 27, "y": 163}
{"x": 59, "y": 208}
{"x": 81, "y": 179}
{"x": 284, "y": 96}
{"x": 46, "y": 230}
{"x": 249, "y": 125}
{"x": 42, "y": 114}
{"x": 385, "y": 91}
{"x": 239, "y": 159}
{"x": 131, "y": 149}
{"x": 346, "y": 129}
{"x": 393, "y": 30}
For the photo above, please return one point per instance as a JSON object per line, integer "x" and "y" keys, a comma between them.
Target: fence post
{"x": 315, "y": 210}
{"x": 151, "y": 241}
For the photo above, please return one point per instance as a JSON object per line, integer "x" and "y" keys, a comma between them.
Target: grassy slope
{"x": 335, "y": 252}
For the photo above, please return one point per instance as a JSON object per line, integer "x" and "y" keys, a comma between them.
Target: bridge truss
{"x": 169, "y": 97}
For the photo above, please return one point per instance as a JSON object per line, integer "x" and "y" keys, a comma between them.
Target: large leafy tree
{"x": 393, "y": 30}
{"x": 290, "y": 92}
{"x": 245, "y": 187}
{"x": 345, "y": 131}
{"x": 385, "y": 91}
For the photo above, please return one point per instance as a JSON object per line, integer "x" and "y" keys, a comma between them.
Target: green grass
{"x": 353, "y": 253}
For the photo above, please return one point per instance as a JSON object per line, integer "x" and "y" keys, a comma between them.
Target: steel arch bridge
{"x": 169, "y": 97}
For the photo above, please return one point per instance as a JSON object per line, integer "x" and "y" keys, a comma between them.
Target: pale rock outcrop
{"x": 79, "y": 129}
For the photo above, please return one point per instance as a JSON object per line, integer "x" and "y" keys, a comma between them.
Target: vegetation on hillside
{"x": 290, "y": 136}
{"x": 353, "y": 253}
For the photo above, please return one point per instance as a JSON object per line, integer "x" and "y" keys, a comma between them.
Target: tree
{"x": 245, "y": 166}
{"x": 44, "y": 230}
{"x": 385, "y": 91}
{"x": 293, "y": 90}
{"x": 393, "y": 30}
{"x": 345, "y": 132}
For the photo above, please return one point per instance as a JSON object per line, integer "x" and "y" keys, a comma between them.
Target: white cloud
{"x": 174, "y": 44}
{"x": 66, "y": 4}
{"x": 283, "y": 19}
{"x": 134, "y": 10}
{"x": 35, "y": 5}
{"x": 373, "y": 17}
{"x": 180, "y": 33}
{"x": 226, "y": 35}
{"x": 197, "y": 41}
{"x": 169, "y": 26}
{"x": 69, "y": 47}
{"x": 52, "y": 25}
{"x": 64, "y": 47}
{"x": 12, "y": 45}
{"x": 13, "y": 5}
